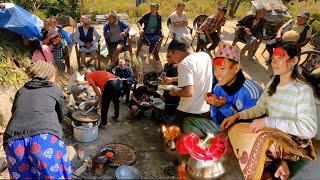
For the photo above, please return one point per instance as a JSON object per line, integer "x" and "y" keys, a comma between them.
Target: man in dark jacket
{"x": 152, "y": 31}
{"x": 250, "y": 29}
{"x": 115, "y": 32}
{"x": 125, "y": 72}
{"x": 84, "y": 37}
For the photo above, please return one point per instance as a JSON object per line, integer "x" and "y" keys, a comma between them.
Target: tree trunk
{"x": 234, "y": 4}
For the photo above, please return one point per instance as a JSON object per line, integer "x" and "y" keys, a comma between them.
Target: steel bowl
{"x": 127, "y": 172}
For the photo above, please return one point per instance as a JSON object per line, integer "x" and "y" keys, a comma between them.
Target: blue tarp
{"x": 16, "y": 19}
{"x": 67, "y": 36}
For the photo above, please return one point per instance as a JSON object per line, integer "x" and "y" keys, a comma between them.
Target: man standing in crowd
{"x": 194, "y": 80}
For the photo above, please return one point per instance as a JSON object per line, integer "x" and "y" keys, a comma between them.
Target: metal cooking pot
{"x": 74, "y": 116}
{"x": 210, "y": 170}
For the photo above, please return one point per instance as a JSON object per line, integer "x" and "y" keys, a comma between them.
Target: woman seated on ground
{"x": 264, "y": 146}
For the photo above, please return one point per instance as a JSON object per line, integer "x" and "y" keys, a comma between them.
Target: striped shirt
{"x": 291, "y": 109}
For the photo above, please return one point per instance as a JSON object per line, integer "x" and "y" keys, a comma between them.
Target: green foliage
{"x": 49, "y": 8}
{"x": 60, "y": 8}
{"x": 10, "y": 75}
{"x": 193, "y": 7}
{"x": 12, "y": 49}
{"x": 42, "y": 15}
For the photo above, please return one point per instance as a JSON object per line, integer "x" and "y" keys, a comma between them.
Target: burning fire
{"x": 171, "y": 132}
{"x": 163, "y": 128}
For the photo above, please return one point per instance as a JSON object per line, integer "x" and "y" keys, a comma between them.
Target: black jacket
{"x": 38, "y": 108}
{"x": 145, "y": 20}
{"x": 247, "y": 22}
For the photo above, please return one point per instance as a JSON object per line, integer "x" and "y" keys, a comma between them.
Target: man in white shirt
{"x": 77, "y": 84}
{"x": 194, "y": 80}
{"x": 84, "y": 37}
{"x": 179, "y": 22}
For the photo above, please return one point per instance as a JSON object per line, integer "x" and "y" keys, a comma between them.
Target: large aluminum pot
{"x": 209, "y": 170}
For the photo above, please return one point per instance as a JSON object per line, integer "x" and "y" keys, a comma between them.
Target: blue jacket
{"x": 245, "y": 98}
{"x": 125, "y": 73}
{"x": 124, "y": 27}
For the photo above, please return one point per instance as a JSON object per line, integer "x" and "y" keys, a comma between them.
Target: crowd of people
{"x": 273, "y": 126}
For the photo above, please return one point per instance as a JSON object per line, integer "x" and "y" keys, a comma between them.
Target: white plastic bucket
{"x": 85, "y": 134}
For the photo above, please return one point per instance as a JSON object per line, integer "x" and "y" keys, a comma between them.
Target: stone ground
{"x": 144, "y": 135}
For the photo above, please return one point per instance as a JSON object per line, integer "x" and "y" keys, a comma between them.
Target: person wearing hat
{"x": 115, "y": 32}
{"x": 179, "y": 22}
{"x": 33, "y": 137}
{"x": 297, "y": 31}
{"x": 140, "y": 99}
{"x": 211, "y": 27}
{"x": 232, "y": 94}
{"x": 151, "y": 31}
{"x": 77, "y": 83}
{"x": 84, "y": 37}
{"x": 249, "y": 29}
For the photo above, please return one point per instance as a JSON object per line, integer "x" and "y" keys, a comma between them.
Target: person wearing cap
{"x": 179, "y": 22}
{"x": 88, "y": 38}
{"x": 77, "y": 83}
{"x": 232, "y": 94}
{"x": 284, "y": 121}
{"x": 249, "y": 29}
{"x": 297, "y": 31}
{"x": 115, "y": 32}
{"x": 211, "y": 27}
{"x": 151, "y": 32}
{"x": 52, "y": 37}
{"x": 194, "y": 80}
{"x": 125, "y": 72}
{"x": 142, "y": 95}
{"x": 33, "y": 137}
{"x": 107, "y": 88}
